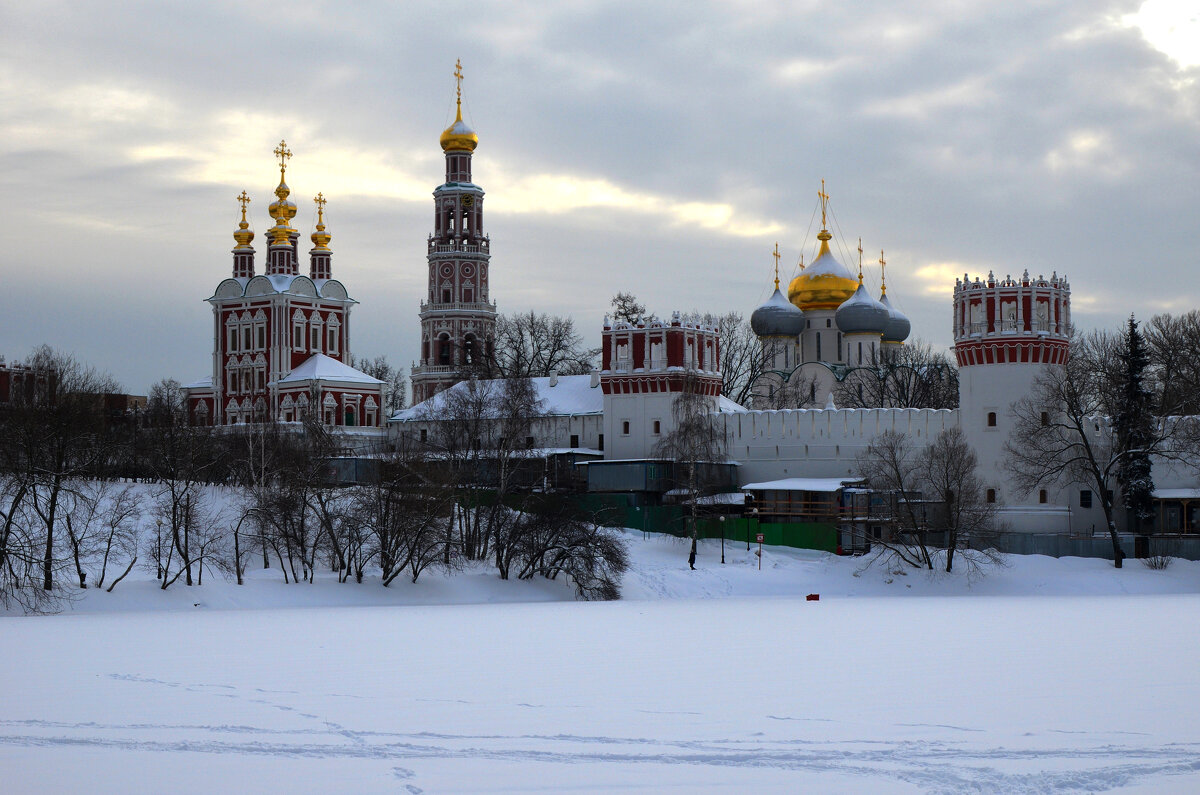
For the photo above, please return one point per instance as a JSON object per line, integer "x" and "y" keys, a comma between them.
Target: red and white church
{"x": 281, "y": 339}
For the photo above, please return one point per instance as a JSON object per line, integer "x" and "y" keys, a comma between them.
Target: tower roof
{"x": 458, "y": 137}
{"x": 777, "y": 318}
{"x": 862, "y": 314}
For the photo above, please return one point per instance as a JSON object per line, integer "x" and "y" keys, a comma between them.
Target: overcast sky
{"x": 656, "y": 148}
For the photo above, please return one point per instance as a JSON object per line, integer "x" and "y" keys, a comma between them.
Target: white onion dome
{"x": 898, "y": 326}
{"x": 777, "y": 318}
{"x": 862, "y": 314}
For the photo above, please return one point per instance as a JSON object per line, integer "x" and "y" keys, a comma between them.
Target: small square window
{"x": 991, "y": 419}
{"x": 1043, "y": 497}
{"x": 1085, "y": 498}
{"x": 991, "y": 495}
{"x": 657, "y": 428}
{"x": 574, "y": 440}
{"x": 600, "y": 443}
{"x": 625, "y": 427}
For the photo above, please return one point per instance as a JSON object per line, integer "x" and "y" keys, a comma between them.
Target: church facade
{"x": 281, "y": 338}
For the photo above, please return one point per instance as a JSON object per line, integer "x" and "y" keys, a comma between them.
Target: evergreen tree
{"x": 1134, "y": 426}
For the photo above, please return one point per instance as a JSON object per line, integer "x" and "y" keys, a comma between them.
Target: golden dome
{"x": 458, "y": 137}
{"x": 243, "y": 235}
{"x": 321, "y": 238}
{"x": 824, "y": 284}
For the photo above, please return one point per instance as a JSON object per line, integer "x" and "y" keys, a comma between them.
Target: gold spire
{"x": 860, "y": 260}
{"x": 882, "y": 274}
{"x": 243, "y": 235}
{"x": 281, "y": 209}
{"x": 458, "y": 136}
{"x": 321, "y": 238}
{"x": 776, "y": 255}
{"x": 823, "y": 235}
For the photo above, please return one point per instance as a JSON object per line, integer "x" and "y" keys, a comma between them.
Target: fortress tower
{"x": 1006, "y": 333}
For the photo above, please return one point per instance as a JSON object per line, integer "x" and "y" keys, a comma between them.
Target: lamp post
{"x": 753, "y": 515}
{"x": 721, "y": 519}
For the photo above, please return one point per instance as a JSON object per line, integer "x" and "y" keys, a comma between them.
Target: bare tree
{"x": 695, "y": 447}
{"x": 1174, "y": 350}
{"x": 52, "y": 442}
{"x": 947, "y": 472}
{"x": 1062, "y": 434}
{"x": 913, "y": 376}
{"x": 627, "y": 309}
{"x": 394, "y": 380}
{"x": 890, "y": 465}
{"x": 532, "y": 345}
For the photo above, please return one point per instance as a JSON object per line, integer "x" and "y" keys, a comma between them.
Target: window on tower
{"x": 316, "y": 339}
{"x": 298, "y": 337}
{"x": 333, "y": 341}
{"x": 262, "y": 337}
{"x": 246, "y": 338}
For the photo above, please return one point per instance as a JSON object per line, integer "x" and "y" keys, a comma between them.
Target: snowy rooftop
{"x": 321, "y": 367}
{"x": 572, "y": 395}
{"x": 203, "y": 383}
{"x": 801, "y": 484}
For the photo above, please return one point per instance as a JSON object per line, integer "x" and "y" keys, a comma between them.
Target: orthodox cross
{"x": 458, "y": 78}
{"x": 882, "y": 273}
{"x": 320, "y": 202}
{"x": 283, "y": 153}
{"x": 776, "y": 255}
{"x": 860, "y": 260}
{"x": 243, "y": 200}
{"x": 824, "y": 197}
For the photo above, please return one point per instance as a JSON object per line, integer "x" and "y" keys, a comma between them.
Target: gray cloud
{"x": 624, "y": 146}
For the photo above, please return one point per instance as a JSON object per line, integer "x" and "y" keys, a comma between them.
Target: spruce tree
{"x": 1134, "y": 425}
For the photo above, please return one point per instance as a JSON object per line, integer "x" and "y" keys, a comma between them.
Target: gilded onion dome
{"x": 282, "y": 210}
{"x": 824, "y": 284}
{"x": 777, "y": 318}
{"x": 321, "y": 238}
{"x": 862, "y": 314}
{"x": 458, "y": 137}
{"x": 243, "y": 235}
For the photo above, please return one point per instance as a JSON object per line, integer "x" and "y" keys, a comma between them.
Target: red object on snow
{"x": 813, "y": 597}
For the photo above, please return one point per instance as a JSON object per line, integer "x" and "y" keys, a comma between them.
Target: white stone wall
{"x": 640, "y": 411}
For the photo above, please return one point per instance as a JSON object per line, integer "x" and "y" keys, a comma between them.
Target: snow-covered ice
{"x": 1046, "y": 676}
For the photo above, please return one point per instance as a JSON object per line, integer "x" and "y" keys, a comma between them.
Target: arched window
{"x": 469, "y": 349}
{"x": 444, "y": 349}
{"x": 991, "y": 419}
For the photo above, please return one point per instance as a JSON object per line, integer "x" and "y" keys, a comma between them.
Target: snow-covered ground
{"x": 1045, "y": 676}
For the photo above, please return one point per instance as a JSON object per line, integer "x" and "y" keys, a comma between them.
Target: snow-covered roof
{"x": 727, "y": 406}
{"x": 319, "y": 366}
{"x": 572, "y": 395}
{"x": 1176, "y": 494}
{"x": 203, "y": 383}
{"x": 801, "y": 484}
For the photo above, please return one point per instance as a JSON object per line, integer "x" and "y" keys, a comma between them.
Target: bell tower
{"x": 457, "y": 320}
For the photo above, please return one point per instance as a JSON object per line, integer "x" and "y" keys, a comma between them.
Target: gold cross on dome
{"x": 243, "y": 200}
{"x": 824, "y": 197}
{"x": 882, "y": 272}
{"x": 458, "y": 77}
{"x": 860, "y": 260}
{"x": 320, "y": 201}
{"x": 776, "y": 255}
{"x": 283, "y": 153}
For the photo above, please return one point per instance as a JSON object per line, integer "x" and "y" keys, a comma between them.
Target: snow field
{"x": 719, "y": 680}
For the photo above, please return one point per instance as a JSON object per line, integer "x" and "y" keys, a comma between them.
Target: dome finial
{"x": 321, "y": 238}
{"x": 882, "y": 274}
{"x": 776, "y": 255}
{"x": 243, "y": 235}
{"x": 283, "y": 153}
{"x": 458, "y": 78}
{"x": 458, "y": 136}
{"x": 860, "y": 261}
{"x": 824, "y": 197}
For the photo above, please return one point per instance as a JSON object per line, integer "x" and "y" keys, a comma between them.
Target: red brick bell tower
{"x": 457, "y": 320}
